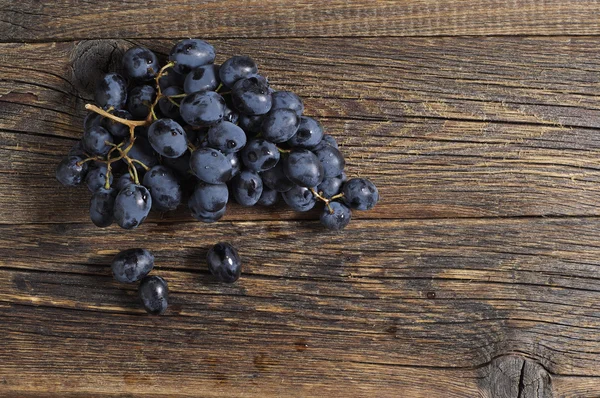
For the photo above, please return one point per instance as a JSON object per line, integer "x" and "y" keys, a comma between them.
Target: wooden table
{"x": 477, "y": 275}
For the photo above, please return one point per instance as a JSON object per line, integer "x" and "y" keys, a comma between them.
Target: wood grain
{"x": 76, "y": 19}
{"x": 491, "y": 128}
{"x": 420, "y": 306}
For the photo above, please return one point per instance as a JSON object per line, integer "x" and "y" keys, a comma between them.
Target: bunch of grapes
{"x": 219, "y": 130}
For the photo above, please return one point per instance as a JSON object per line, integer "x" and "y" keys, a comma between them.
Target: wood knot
{"x": 513, "y": 376}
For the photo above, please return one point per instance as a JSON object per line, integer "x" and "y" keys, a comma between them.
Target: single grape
{"x": 226, "y": 137}
{"x": 142, "y": 151}
{"x": 102, "y": 206}
{"x": 251, "y": 124}
{"x": 327, "y": 140}
{"x": 210, "y": 165}
{"x": 303, "y": 167}
{"x": 288, "y": 100}
{"x": 140, "y": 63}
{"x": 251, "y": 96}
{"x": 224, "y": 262}
{"x": 236, "y": 68}
{"x": 236, "y": 166}
{"x": 360, "y": 194}
{"x": 204, "y": 215}
{"x": 131, "y": 265}
{"x": 154, "y": 294}
{"x": 203, "y": 108}
{"x": 280, "y": 125}
{"x": 70, "y": 172}
{"x": 122, "y": 182}
{"x": 189, "y": 54}
{"x": 170, "y": 78}
{"x": 140, "y": 100}
{"x": 132, "y": 205}
{"x": 92, "y": 119}
{"x": 330, "y": 186}
{"x": 95, "y": 141}
{"x": 309, "y": 134}
{"x": 116, "y": 129}
{"x": 180, "y": 165}
{"x": 247, "y": 188}
{"x": 163, "y": 185}
{"x": 167, "y": 138}
{"x": 111, "y": 91}
{"x": 166, "y": 105}
{"x": 260, "y": 155}
{"x": 77, "y": 150}
{"x": 338, "y": 219}
{"x": 202, "y": 78}
{"x": 299, "y": 198}
{"x": 96, "y": 178}
{"x": 268, "y": 197}
{"x": 332, "y": 160}
{"x": 210, "y": 197}
{"x": 275, "y": 178}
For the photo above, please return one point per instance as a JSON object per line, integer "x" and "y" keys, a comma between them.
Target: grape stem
{"x": 159, "y": 94}
{"x": 322, "y": 198}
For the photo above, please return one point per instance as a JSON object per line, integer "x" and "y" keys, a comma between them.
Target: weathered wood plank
{"x": 423, "y": 307}
{"x": 70, "y": 19}
{"x": 433, "y": 127}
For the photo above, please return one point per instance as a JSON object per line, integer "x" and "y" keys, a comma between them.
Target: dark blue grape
{"x": 275, "y": 179}
{"x": 251, "y": 124}
{"x": 251, "y": 96}
{"x": 69, "y": 172}
{"x": 111, "y": 91}
{"x": 163, "y": 185}
{"x": 210, "y": 166}
{"x": 236, "y": 68}
{"x": 260, "y": 155}
{"x": 236, "y": 166}
{"x": 204, "y": 215}
{"x": 132, "y": 205}
{"x": 328, "y": 140}
{"x": 280, "y": 125}
{"x": 95, "y": 141}
{"x": 203, "y": 78}
{"x": 268, "y": 197}
{"x": 288, "y": 100}
{"x": 180, "y": 165}
{"x": 154, "y": 294}
{"x": 247, "y": 188}
{"x": 203, "y": 108}
{"x": 139, "y": 101}
{"x": 140, "y": 63}
{"x": 102, "y": 206}
{"x": 210, "y": 197}
{"x": 92, "y": 119}
{"x": 330, "y": 186}
{"x": 167, "y": 138}
{"x": 123, "y": 181}
{"x": 309, "y": 134}
{"x": 224, "y": 262}
{"x": 343, "y": 177}
{"x": 332, "y": 160}
{"x": 142, "y": 151}
{"x": 231, "y": 115}
{"x": 168, "y": 108}
{"x": 116, "y": 129}
{"x": 77, "y": 150}
{"x": 96, "y": 178}
{"x": 189, "y": 54}
{"x": 360, "y": 194}
{"x": 226, "y": 137}
{"x": 131, "y": 265}
{"x": 303, "y": 167}
{"x": 337, "y": 218}
{"x": 170, "y": 78}
{"x": 299, "y": 198}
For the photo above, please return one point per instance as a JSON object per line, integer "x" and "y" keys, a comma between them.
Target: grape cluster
{"x": 157, "y": 134}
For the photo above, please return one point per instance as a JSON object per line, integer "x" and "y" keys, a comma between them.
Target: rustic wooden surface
{"x": 477, "y": 275}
